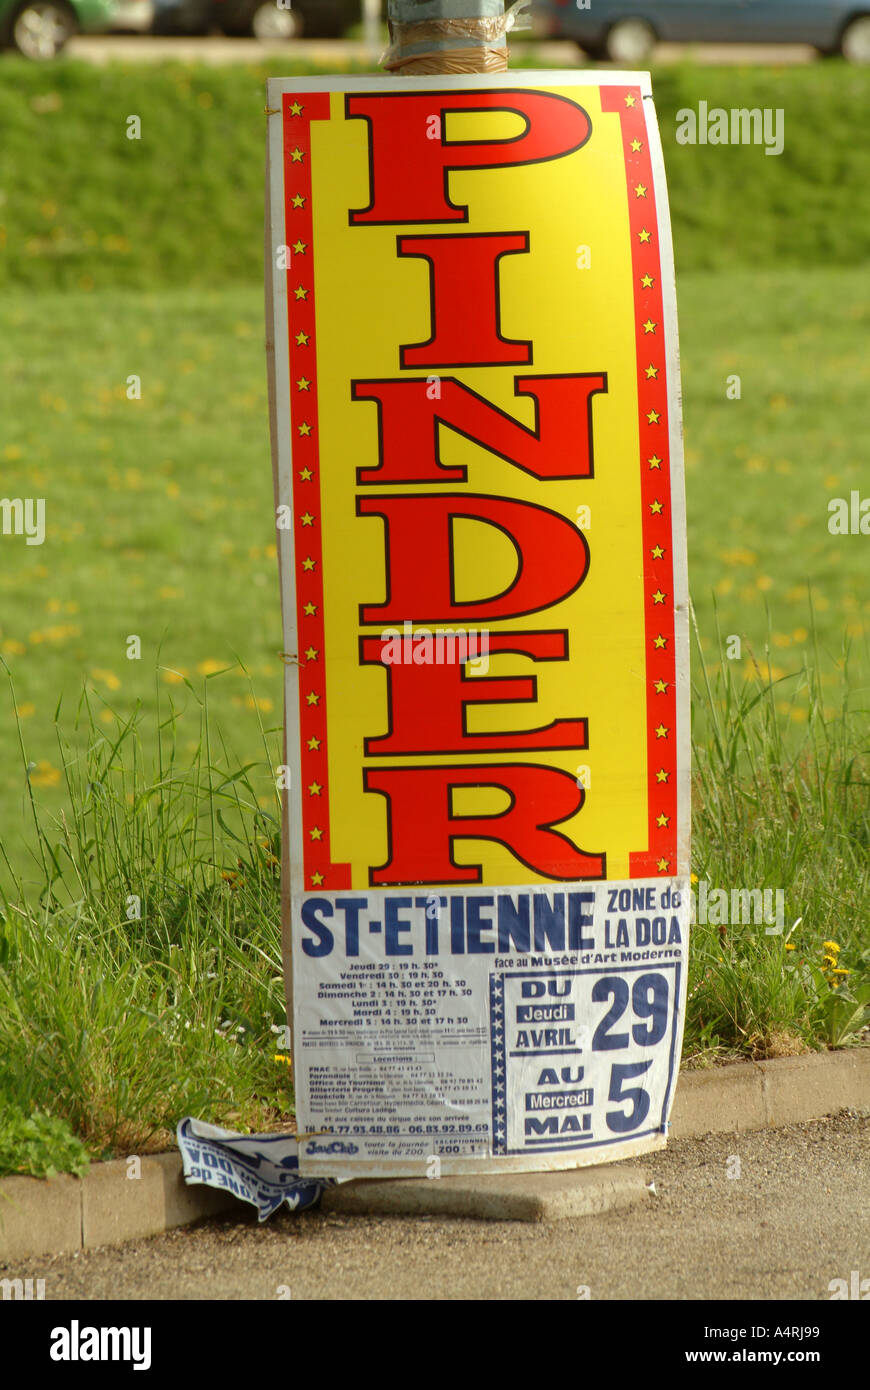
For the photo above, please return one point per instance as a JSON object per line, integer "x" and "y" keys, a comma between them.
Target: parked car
{"x": 265, "y": 19}
{"x": 625, "y": 31}
{"x": 40, "y": 29}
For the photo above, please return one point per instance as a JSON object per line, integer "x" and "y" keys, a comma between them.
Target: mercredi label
{"x": 478, "y": 483}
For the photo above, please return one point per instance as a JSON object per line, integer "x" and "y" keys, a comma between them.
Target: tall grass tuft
{"x": 140, "y": 974}
{"x": 781, "y": 800}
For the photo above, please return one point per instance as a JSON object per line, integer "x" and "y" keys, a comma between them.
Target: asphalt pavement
{"x": 772, "y": 1214}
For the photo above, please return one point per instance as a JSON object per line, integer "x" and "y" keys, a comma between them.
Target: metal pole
{"x": 446, "y": 36}
{"x": 371, "y": 14}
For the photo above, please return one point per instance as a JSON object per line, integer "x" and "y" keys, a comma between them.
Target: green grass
{"x": 84, "y": 207}
{"x": 761, "y": 470}
{"x": 159, "y": 516}
{"x": 779, "y": 810}
{"x": 142, "y": 980}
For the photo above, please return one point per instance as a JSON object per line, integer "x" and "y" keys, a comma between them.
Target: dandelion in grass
{"x": 45, "y": 775}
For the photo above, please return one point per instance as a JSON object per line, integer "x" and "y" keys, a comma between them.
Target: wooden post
{"x": 446, "y": 36}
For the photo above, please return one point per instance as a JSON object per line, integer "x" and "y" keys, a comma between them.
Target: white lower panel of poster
{"x": 496, "y": 1030}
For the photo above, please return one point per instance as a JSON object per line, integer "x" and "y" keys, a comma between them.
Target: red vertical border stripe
{"x": 298, "y": 112}
{"x": 660, "y": 856}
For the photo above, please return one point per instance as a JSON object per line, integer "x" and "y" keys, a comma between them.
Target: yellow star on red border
{"x": 657, "y": 552}
{"x": 661, "y": 775}
{"x": 637, "y": 146}
{"x": 662, "y": 866}
{"x": 658, "y": 596}
{"x": 653, "y": 417}
{"x": 660, "y": 642}
{"x": 317, "y": 879}
{"x": 305, "y": 475}
{"x": 647, "y": 281}
{"x": 312, "y": 698}
{"x": 302, "y": 339}
{"x": 661, "y": 687}
{"x": 299, "y": 248}
{"x": 296, "y": 109}
{"x": 297, "y": 155}
{"x": 629, "y": 100}
{"x": 662, "y": 820}
{"x": 662, "y": 731}
{"x": 311, "y": 653}
{"x": 649, "y": 326}
{"x": 643, "y": 234}
{"x": 313, "y": 745}
{"x": 304, "y": 428}
{"x": 301, "y": 292}
{"x": 307, "y": 519}
{"x": 314, "y": 789}
{"x": 655, "y": 508}
{"x": 654, "y": 461}
{"x": 640, "y": 190}
{"x": 651, "y": 372}
{"x": 308, "y": 563}
{"x": 298, "y": 201}
{"x": 315, "y": 832}
{"x": 310, "y": 610}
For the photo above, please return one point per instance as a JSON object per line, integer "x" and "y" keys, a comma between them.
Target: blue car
{"x": 625, "y": 31}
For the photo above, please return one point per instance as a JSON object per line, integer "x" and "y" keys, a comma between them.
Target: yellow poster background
{"x": 580, "y": 319}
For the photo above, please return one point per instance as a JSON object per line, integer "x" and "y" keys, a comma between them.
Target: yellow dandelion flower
{"x": 45, "y": 775}
{"x": 841, "y": 972}
{"x": 790, "y": 947}
{"x": 108, "y": 678}
{"x": 210, "y": 666}
{"x": 831, "y": 946}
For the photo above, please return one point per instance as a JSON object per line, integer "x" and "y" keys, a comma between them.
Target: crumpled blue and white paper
{"x": 262, "y": 1169}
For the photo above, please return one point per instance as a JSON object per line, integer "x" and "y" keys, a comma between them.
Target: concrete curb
{"x": 64, "y": 1214}
{"x": 495, "y": 1197}
{"x": 758, "y": 1095}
